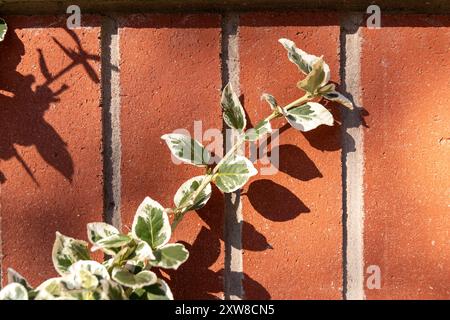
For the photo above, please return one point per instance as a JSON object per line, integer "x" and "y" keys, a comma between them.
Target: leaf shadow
{"x": 275, "y": 202}
{"x": 23, "y": 109}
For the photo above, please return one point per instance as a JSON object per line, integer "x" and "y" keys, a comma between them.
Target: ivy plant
{"x": 128, "y": 271}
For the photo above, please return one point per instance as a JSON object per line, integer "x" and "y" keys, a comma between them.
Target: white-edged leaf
{"x": 309, "y": 116}
{"x": 186, "y": 149}
{"x": 151, "y": 224}
{"x": 141, "y": 255}
{"x": 303, "y": 60}
{"x": 86, "y": 274}
{"x": 171, "y": 256}
{"x": 270, "y": 99}
{"x": 51, "y": 289}
{"x": 339, "y": 98}
{"x": 233, "y": 112}
{"x": 158, "y": 291}
{"x": 234, "y": 173}
{"x": 66, "y": 251}
{"x": 187, "y": 189}
{"x": 135, "y": 281}
{"x": 315, "y": 79}
{"x": 258, "y": 131}
{"x": 111, "y": 244}
{"x": 111, "y": 290}
{"x": 14, "y": 291}
{"x": 15, "y": 277}
{"x": 3, "y": 29}
{"x": 97, "y": 231}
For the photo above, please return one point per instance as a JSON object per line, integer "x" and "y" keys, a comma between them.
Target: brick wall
{"x": 80, "y": 142}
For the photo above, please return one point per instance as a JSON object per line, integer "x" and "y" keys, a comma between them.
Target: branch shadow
{"x": 22, "y": 108}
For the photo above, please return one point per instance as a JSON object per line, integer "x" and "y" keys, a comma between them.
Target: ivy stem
{"x": 180, "y": 211}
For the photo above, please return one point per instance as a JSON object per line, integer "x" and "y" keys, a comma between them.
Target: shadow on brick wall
{"x": 22, "y": 108}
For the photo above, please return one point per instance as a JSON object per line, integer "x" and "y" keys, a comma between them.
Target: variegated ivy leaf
{"x": 170, "y": 256}
{"x": 134, "y": 281}
{"x": 86, "y": 274}
{"x": 315, "y": 79}
{"x": 15, "y": 277}
{"x": 112, "y": 244}
{"x": 339, "y": 98}
{"x": 308, "y": 116}
{"x": 3, "y": 29}
{"x": 142, "y": 255}
{"x": 187, "y": 189}
{"x": 151, "y": 224}
{"x": 99, "y": 230}
{"x": 186, "y": 149}
{"x": 303, "y": 60}
{"x": 270, "y": 99}
{"x": 234, "y": 173}
{"x": 51, "y": 289}
{"x": 14, "y": 291}
{"x": 257, "y": 132}
{"x": 158, "y": 291}
{"x": 110, "y": 290}
{"x": 233, "y": 112}
{"x": 66, "y": 251}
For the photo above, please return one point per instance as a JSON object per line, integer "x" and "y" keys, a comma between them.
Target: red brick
{"x": 170, "y": 77}
{"x": 298, "y": 209}
{"x": 58, "y": 139}
{"x": 405, "y": 68}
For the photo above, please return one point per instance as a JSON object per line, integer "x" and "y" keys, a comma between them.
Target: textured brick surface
{"x": 170, "y": 77}
{"x": 405, "y": 68}
{"x": 298, "y": 210}
{"x": 57, "y": 136}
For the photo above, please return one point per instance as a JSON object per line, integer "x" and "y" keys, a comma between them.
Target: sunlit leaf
{"x": 233, "y": 112}
{"x": 186, "y": 191}
{"x": 234, "y": 173}
{"x": 186, "y": 149}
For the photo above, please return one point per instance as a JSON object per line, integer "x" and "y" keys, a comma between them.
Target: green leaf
{"x": 3, "y": 29}
{"x": 234, "y": 173}
{"x": 315, "y": 79}
{"x": 186, "y": 149}
{"x": 233, "y": 112}
{"x": 15, "y": 277}
{"x": 86, "y": 274}
{"x": 303, "y": 60}
{"x": 51, "y": 289}
{"x": 158, "y": 291}
{"x": 14, "y": 291}
{"x": 110, "y": 290}
{"x": 97, "y": 231}
{"x": 309, "y": 116}
{"x": 112, "y": 244}
{"x": 270, "y": 100}
{"x": 66, "y": 251}
{"x": 151, "y": 224}
{"x": 170, "y": 256}
{"x": 187, "y": 189}
{"x": 141, "y": 255}
{"x": 257, "y": 132}
{"x": 134, "y": 281}
{"x": 339, "y": 98}
{"x": 106, "y": 237}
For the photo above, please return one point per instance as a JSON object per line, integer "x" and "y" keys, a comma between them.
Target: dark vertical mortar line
{"x": 111, "y": 121}
{"x": 352, "y": 160}
{"x": 233, "y": 274}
